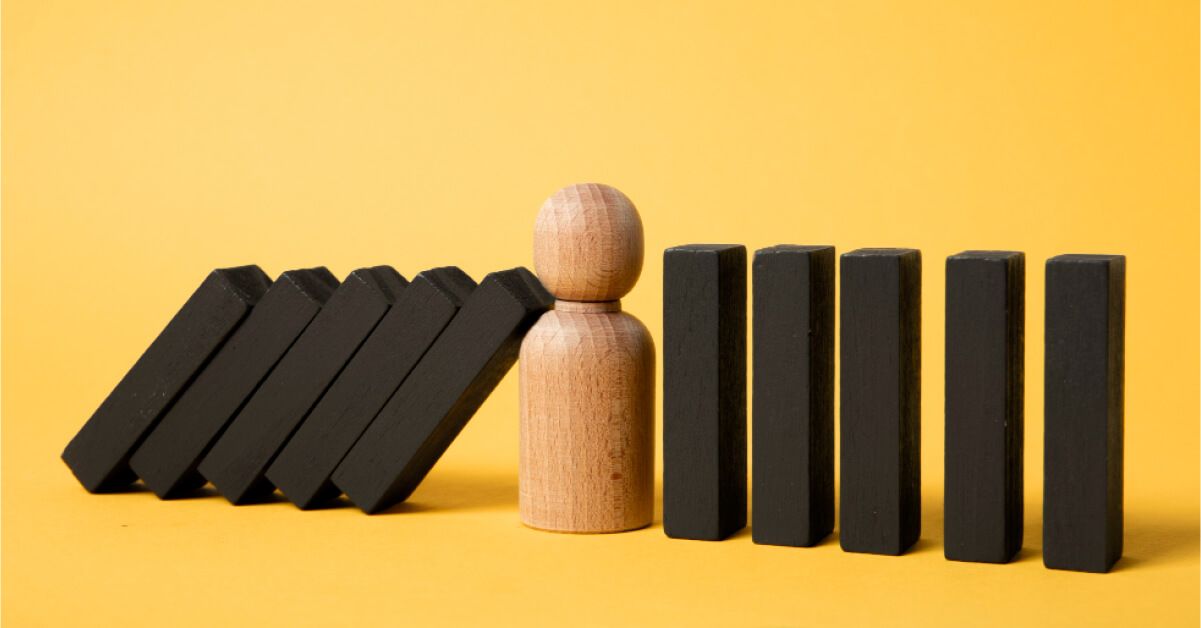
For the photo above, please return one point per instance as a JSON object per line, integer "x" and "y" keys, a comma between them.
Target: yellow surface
{"x": 145, "y": 143}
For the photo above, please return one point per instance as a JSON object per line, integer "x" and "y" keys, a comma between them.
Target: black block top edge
{"x": 882, "y": 252}
{"x": 1000, "y": 256}
{"x": 524, "y": 287}
{"x": 316, "y": 283}
{"x": 794, "y": 248}
{"x": 383, "y": 278}
{"x": 704, "y": 248}
{"x": 451, "y": 281}
{"x": 1086, "y": 258}
{"x": 248, "y": 283}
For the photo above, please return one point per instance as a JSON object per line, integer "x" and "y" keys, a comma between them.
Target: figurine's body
{"x": 587, "y": 372}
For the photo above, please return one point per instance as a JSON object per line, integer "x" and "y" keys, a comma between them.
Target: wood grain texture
{"x": 444, "y": 390}
{"x": 704, "y": 391}
{"x": 168, "y": 458}
{"x": 880, "y": 369}
{"x": 237, "y": 463}
{"x": 588, "y": 243}
{"x": 1084, "y": 407}
{"x": 587, "y": 420}
{"x": 985, "y": 322}
{"x": 421, "y": 311}
{"x": 793, "y": 413}
{"x": 99, "y": 454}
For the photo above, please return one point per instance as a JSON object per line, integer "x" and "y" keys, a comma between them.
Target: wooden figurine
{"x": 587, "y": 372}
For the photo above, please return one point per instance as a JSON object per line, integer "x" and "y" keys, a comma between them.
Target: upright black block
{"x": 1082, "y": 486}
{"x": 99, "y": 453}
{"x": 166, "y": 461}
{"x": 303, "y": 468}
{"x": 704, "y": 391}
{"x": 880, "y": 503}
{"x": 793, "y": 414}
{"x": 444, "y": 390}
{"x": 239, "y": 458}
{"x": 986, "y": 295}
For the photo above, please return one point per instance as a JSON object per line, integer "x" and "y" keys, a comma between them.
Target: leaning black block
{"x": 880, "y": 492}
{"x": 99, "y": 453}
{"x": 167, "y": 460}
{"x": 704, "y": 391}
{"x": 1085, "y": 336}
{"x": 793, "y": 414}
{"x": 984, "y": 418}
{"x": 421, "y": 311}
{"x": 238, "y": 460}
{"x": 444, "y": 390}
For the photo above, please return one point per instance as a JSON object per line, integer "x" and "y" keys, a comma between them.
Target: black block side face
{"x": 880, "y": 503}
{"x": 168, "y": 458}
{"x": 303, "y": 468}
{"x": 1085, "y": 348}
{"x": 99, "y": 454}
{"x": 793, "y": 414}
{"x": 985, "y": 325}
{"x": 704, "y": 391}
{"x": 443, "y": 391}
{"x": 238, "y": 460}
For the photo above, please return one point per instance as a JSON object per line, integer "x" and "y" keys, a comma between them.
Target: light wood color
{"x": 588, "y": 243}
{"x": 587, "y": 372}
{"x": 587, "y": 434}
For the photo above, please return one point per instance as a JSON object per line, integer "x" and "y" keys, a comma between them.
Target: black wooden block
{"x": 793, "y": 414}
{"x": 704, "y": 391}
{"x": 444, "y": 390}
{"x": 986, "y": 294}
{"x": 880, "y": 497}
{"x": 302, "y": 469}
{"x": 167, "y": 460}
{"x": 1085, "y": 336}
{"x": 99, "y": 453}
{"x": 239, "y": 458}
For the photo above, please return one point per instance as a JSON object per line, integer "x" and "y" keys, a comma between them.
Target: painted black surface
{"x": 303, "y": 468}
{"x": 985, "y": 323}
{"x": 168, "y": 458}
{"x": 99, "y": 454}
{"x": 880, "y": 396}
{"x": 443, "y": 391}
{"x": 1085, "y": 353}
{"x": 704, "y": 391}
{"x": 238, "y": 460}
{"x": 793, "y": 413}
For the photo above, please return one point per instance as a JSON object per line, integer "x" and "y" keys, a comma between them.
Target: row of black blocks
{"x": 308, "y": 384}
{"x": 704, "y": 449}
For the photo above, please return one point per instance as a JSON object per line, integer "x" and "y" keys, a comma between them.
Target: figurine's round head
{"x": 588, "y": 243}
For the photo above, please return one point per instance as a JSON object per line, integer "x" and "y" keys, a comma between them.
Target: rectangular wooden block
{"x": 99, "y": 453}
{"x": 167, "y": 460}
{"x": 238, "y": 460}
{"x": 793, "y": 415}
{"x": 880, "y": 493}
{"x": 985, "y": 352}
{"x": 444, "y": 390}
{"x": 704, "y": 391}
{"x": 303, "y": 468}
{"x": 1085, "y": 353}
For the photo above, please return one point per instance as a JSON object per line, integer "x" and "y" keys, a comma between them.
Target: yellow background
{"x": 145, "y": 143}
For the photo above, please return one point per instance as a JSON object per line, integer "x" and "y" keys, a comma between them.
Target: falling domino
{"x": 167, "y": 460}
{"x": 303, "y": 468}
{"x": 99, "y": 453}
{"x": 238, "y": 460}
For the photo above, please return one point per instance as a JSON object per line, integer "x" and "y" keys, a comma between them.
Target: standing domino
{"x": 587, "y": 372}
